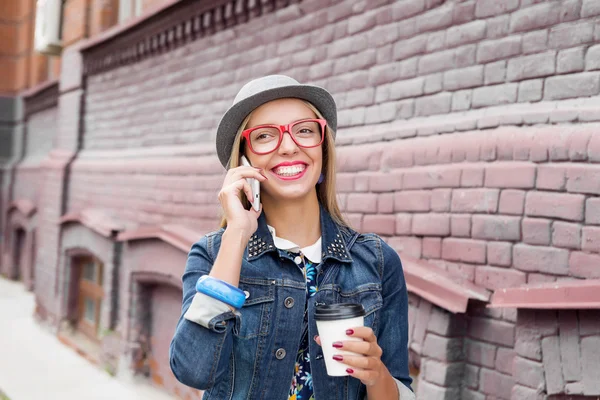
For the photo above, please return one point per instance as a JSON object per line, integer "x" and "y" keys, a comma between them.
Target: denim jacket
{"x": 250, "y": 353}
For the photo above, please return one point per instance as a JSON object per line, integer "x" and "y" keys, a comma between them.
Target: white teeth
{"x": 290, "y": 170}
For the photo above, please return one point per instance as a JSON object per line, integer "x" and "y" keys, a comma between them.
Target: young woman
{"x": 247, "y": 329}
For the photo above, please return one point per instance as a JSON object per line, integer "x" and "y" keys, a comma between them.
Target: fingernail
{"x": 338, "y": 358}
{"x": 315, "y": 338}
{"x": 349, "y": 370}
{"x": 349, "y": 331}
{"x": 338, "y": 345}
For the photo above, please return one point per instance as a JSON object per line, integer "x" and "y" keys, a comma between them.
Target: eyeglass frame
{"x": 282, "y": 130}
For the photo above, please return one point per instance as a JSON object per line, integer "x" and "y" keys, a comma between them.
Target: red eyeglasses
{"x": 265, "y": 139}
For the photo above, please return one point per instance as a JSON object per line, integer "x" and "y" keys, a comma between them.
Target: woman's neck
{"x": 298, "y": 222}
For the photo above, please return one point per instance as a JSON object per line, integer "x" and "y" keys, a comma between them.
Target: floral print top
{"x": 302, "y": 385}
{"x": 307, "y": 259}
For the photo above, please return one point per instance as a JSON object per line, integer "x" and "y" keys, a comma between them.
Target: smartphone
{"x": 254, "y": 184}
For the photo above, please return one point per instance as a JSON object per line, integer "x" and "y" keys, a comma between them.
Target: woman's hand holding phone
{"x": 254, "y": 185}
{"x": 238, "y": 217}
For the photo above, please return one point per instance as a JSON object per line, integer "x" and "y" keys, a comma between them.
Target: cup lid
{"x": 331, "y": 312}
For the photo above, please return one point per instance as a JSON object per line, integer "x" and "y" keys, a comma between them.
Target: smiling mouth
{"x": 290, "y": 170}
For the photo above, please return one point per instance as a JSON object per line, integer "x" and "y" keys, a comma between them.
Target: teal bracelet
{"x": 221, "y": 290}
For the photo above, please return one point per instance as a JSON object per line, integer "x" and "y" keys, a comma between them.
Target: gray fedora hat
{"x": 260, "y": 91}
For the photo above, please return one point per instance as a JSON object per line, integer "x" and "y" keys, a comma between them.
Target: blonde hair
{"x": 326, "y": 192}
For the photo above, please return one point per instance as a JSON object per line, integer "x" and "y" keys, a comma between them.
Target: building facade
{"x": 468, "y": 138}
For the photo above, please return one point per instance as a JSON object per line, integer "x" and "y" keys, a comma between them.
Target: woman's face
{"x": 292, "y": 171}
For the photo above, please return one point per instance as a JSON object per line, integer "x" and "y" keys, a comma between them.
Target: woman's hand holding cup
{"x": 366, "y": 365}
{"x": 237, "y": 216}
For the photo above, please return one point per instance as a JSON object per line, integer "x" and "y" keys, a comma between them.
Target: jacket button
{"x": 280, "y": 354}
{"x": 289, "y": 302}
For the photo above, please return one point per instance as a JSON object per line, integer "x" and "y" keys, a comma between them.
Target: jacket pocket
{"x": 255, "y": 316}
{"x": 369, "y": 295}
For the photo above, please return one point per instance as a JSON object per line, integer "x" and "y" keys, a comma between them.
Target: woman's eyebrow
{"x": 291, "y": 122}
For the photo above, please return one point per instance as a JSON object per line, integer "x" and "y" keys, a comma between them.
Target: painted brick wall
{"x": 41, "y": 130}
{"x": 47, "y": 271}
{"x": 467, "y": 137}
{"x": 53, "y": 188}
{"x": 436, "y": 347}
{"x": 563, "y": 347}
{"x": 489, "y": 354}
{"x": 382, "y": 61}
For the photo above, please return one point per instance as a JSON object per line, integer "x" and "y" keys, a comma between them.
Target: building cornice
{"x": 174, "y": 24}
{"x": 41, "y": 97}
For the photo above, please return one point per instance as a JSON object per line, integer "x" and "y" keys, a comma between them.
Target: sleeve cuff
{"x": 204, "y": 311}
{"x": 404, "y": 393}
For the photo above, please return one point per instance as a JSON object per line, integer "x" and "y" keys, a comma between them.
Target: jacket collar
{"x": 333, "y": 241}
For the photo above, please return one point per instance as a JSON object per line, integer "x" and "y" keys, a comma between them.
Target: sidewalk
{"x": 35, "y": 365}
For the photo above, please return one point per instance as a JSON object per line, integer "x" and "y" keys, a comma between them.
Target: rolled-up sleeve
{"x": 202, "y": 344}
{"x": 207, "y": 311}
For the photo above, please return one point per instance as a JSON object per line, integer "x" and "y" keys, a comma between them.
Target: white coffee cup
{"x": 332, "y": 322}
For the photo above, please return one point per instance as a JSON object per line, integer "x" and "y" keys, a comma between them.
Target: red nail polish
{"x": 349, "y": 332}
{"x": 337, "y": 345}
{"x": 349, "y": 370}
{"x": 338, "y": 357}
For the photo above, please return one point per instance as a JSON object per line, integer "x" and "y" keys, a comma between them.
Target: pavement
{"x": 34, "y": 364}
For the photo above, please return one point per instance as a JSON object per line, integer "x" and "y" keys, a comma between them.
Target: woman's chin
{"x": 292, "y": 192}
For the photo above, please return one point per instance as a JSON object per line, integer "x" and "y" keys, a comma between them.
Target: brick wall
{"x": 53, "y": 188}
{"x": 86, "y": 18}
{"x": 366, "y": 60}
{"x": 436, "y": 346}
{"x": 47, "y": 271}
{"x": 16, "y": 25}
{"x": 28, "y": 175}
{"x": 41, "y": 130}
{"x": 75, "y": 20}
{"x": 103, "y": 15}
{"x": 557, "y": 352}
{"x": 151, "y": 4}
{"x": 467, "y": 137}
{"x": 489, "y": 354}
{"x": 22, "y": 67}
{"x": 404, "y": 60}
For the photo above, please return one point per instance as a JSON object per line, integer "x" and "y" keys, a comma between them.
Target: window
{"x": 90, "y": 310}
{"x": 129, "y": 9}
{"x": 89, "y": 271}
{"x": 91, "y": 295}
